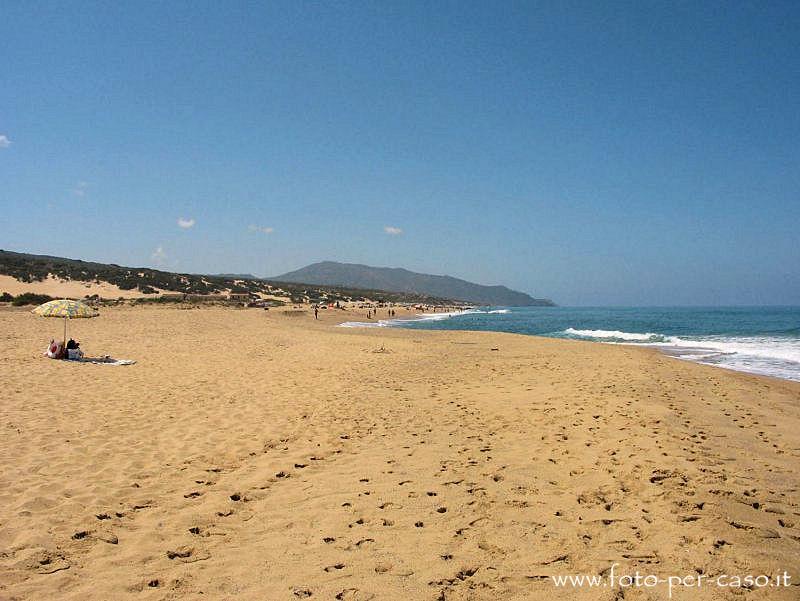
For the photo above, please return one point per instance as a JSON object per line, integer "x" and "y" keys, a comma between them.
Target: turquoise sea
{"x": 761, "y": 340}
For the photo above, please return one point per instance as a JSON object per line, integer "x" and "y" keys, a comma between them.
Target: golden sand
{"x": 250, "y": 455}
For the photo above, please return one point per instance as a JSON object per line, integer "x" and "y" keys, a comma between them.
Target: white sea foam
{"x": 777, "y": 356}
{"x": 381, "y": 323}
{"x": 615, "y": 335}
{"x": 363, "y": 324}
{"x": 767, "y": 347}
{"x": 769, "y": 355}
{"x": 386, "y": 323}
{"x": 445, "y": 315}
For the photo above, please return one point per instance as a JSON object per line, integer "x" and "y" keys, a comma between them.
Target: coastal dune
{"x": 247, "y": 456}
{"x": 57, "y": 288}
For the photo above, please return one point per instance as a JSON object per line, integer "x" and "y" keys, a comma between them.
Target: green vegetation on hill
{"x": 26, "y": 298}
{"x": 29, "y": 298}
{"x": 36, "y": 268}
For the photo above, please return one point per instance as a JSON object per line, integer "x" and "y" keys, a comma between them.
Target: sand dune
{"x": 57, "y": 288}
{"x": 251, "y": 456}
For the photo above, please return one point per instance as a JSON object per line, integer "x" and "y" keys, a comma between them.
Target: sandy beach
{"x": 256, "y": 455}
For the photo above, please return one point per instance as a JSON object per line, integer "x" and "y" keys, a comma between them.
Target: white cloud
{"x": 186, "y": 223}
{"x": 4, "y": 142}
{"x": 263, "y": 230}
{"x": 392, "y": 231}
{"x": 80, "y": 189}
{"x": 159, "y": 257}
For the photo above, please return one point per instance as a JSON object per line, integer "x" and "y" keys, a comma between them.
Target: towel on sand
{"x": 106, "y": 360}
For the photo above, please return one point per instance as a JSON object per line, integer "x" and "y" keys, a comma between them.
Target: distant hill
{"x": 30, "y": 269}
{"x": 321, "y": 282}
{"x": 331, "y": 273}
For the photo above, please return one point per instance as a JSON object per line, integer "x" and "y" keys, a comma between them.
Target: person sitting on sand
{"x": 74, "y": 351}
{"x": 55, "y": 350}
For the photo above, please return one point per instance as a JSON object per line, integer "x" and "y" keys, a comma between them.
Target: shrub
{"x": 29, "y": 298}
{"x": 170, "y": 298}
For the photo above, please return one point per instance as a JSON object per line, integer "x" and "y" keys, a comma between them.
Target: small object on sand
{"x": 106, "y": 360}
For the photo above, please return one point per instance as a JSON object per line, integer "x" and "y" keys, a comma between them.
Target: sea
{"x": 759, "y": 340}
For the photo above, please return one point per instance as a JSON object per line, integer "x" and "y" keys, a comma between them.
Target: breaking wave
{"x": 777, "y": 356}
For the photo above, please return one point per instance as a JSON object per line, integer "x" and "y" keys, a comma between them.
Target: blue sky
{"x": 595, "y": 153}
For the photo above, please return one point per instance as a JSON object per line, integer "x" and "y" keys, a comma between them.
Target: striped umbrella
{"x": 68, "y": 309}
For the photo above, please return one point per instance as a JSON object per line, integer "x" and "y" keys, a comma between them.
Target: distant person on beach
{"x": 316, "y": 312}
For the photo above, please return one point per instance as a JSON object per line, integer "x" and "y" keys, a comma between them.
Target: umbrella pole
{"x": 65, "y": 333}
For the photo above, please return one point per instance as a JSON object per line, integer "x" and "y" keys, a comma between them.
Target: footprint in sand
{"x": 353, "y": 594}
{"x": 180, "y": 553}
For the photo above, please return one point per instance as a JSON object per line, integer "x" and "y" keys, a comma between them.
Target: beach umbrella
{"x": 67, "y": 309}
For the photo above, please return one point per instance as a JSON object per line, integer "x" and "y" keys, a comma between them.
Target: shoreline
{"x": 697, "y": 354}
{"x": 251, "y": 468}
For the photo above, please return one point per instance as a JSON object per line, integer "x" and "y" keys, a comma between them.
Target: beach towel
{"x": 106, "y": 361}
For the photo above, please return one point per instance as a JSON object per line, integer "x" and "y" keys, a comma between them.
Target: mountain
{"x": 328, "y": 281}
{"x": 36, "y": 269}
{"x": 331, "y": 273}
